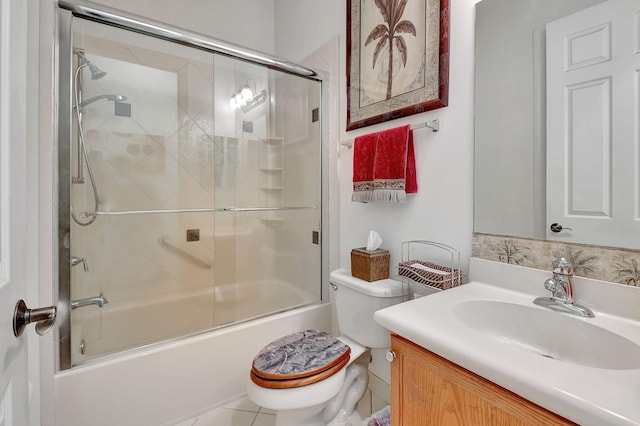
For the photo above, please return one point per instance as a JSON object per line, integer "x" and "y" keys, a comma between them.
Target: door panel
{"x": 14, "y": 400}
{"x": 588, "y": 163}
{"x": 592, "y": 125}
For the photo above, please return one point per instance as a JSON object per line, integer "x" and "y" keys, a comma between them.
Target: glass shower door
{"x": 193, "y": 185}
{"x": 272, "y": 176}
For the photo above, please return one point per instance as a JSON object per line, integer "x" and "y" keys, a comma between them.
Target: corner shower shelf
{"x": 271, "y": 178}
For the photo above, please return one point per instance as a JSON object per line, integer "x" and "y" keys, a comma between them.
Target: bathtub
{"x": 125, "y": 325}
{"x": 173, "y": 381}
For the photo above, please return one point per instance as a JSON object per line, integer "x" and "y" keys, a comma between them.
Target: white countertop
{"x": 583, "y": 394}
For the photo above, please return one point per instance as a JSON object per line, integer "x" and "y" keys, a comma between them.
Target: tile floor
{"x": 242, "y": 412}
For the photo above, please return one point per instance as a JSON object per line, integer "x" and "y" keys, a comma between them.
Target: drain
{"x": 547, "y": 356}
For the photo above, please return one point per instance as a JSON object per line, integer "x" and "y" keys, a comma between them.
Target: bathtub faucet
{"x": 97, "y": 300}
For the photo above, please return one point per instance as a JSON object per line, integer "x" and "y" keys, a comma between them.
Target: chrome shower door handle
{"x": 44, "y": 318}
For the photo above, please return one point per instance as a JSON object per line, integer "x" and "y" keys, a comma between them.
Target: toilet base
{"x": 353, "y": 420}
{"x": 311, "y": 416}
{"x": 334, "y": 399}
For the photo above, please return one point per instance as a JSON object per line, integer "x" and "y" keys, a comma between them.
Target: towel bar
{"x": 434, "y": 125}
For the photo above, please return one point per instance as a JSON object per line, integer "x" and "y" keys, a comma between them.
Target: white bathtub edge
{"x": 162, "y": 384}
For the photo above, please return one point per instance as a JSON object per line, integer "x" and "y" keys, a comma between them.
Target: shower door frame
{"x": 62, "y": 180}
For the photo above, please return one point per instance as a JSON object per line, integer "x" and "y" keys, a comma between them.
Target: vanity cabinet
{"x": 427, "y": 389}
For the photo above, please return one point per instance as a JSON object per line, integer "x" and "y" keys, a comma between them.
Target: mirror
{"x": 518, "y": 103}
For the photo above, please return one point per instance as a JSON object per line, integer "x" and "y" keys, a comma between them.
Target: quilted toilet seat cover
{"x": 299, "y": 355}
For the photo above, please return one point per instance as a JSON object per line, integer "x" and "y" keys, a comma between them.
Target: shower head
{"x": 96, "y": 73}
{"x": 114, "y": 98}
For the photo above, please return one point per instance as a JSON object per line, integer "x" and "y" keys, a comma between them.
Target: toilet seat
{"x": 299, "y": 359}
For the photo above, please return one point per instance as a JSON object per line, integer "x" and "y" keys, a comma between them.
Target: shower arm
{"x": 86, "y": 102}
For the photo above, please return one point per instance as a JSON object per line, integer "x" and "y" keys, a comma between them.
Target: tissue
{"x": 373, "y": 241}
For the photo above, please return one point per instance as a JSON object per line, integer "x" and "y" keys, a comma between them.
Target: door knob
{"x": 44, "y": 318}
{"x": 556, "y": 227}
{"x": 390, "y": 355}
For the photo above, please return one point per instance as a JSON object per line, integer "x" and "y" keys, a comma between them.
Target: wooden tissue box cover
{"x": 370, "y": 265}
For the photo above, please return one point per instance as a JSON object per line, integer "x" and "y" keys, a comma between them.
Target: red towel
{"x": 364, "y": 153}
{"x": 384, "y": 166}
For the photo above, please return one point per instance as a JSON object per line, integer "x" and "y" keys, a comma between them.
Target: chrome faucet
{"x": 561, "y": 288}
{"x": 97, "y": 300}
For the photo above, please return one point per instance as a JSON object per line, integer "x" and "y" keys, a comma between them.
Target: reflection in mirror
{"x": 541, "y": 133}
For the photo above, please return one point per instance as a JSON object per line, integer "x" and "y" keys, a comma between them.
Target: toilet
{"x": 309, "y": 377}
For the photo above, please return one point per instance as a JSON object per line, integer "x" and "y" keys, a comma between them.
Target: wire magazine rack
{"x": 429, "y": 263}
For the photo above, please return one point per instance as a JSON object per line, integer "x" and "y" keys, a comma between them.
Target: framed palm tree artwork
{"x": 397, "y": 59}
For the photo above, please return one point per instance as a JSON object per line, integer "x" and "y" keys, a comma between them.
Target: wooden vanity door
{"x": 429, "y": 390}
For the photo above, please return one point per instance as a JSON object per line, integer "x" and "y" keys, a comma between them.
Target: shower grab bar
{"x": 105, "y": 14}
{"x": 212, "y": 210}
{"x": 164, "y": 241}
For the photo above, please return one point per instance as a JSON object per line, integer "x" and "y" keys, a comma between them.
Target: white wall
{"x": 248, "y": 23}
{"x": 303, "y": 26}
{"x": 443, "y": 208}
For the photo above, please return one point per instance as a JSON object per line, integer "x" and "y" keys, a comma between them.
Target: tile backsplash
{"x": 604, "y": 263}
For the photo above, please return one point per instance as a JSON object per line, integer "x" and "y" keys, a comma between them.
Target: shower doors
{"x": 189, "y": 184}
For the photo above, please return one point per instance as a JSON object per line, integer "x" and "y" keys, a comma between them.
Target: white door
{"x": 593, "y": 73}
{"x": 14, "y": 388}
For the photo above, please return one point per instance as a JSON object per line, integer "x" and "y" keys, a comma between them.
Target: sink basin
{"x": 586, "y": 370}
{"x": 549, "y": 334}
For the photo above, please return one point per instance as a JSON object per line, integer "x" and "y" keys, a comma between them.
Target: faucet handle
{"x": 76, "y": 260}
{"x": 562, "y": 265}
{"x": 556, "y": 288}
{"x": 551, "y": 285}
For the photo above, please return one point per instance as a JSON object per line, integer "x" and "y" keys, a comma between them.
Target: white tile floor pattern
{"x": 242, "y": 412}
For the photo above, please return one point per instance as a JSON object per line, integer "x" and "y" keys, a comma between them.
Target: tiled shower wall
{"x": 160, "y": 157}
{"x": 604, "y": 263}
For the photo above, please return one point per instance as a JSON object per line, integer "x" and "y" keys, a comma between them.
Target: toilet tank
{"x": 356, "y": 300}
